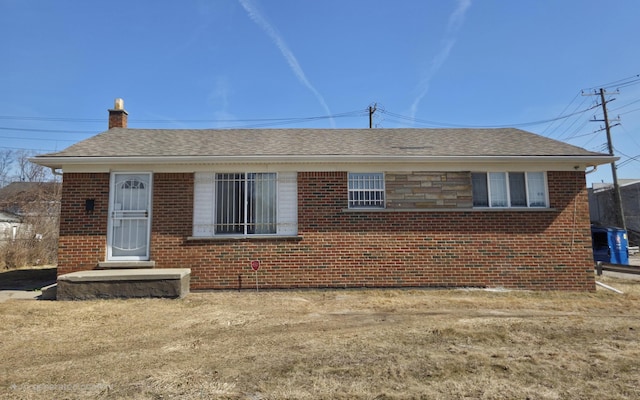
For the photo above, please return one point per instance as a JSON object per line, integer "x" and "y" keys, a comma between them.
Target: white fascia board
{"x": 323, "y": 163}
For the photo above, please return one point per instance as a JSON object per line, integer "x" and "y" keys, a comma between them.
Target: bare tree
{"x": 34, "y": 196}
{"x": 28, "y": 171}
{"x": 36, "y": 239}
{"x": 6, "y": 163}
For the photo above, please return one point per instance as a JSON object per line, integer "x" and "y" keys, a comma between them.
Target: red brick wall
{"x": 542, "y": 250}
{"x": 83, "y": 235}
{"x": 172, "y": 220}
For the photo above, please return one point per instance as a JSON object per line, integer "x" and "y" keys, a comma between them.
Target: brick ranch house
{"x": 339, "y": 208}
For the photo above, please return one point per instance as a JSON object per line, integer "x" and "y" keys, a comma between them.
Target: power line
{"x": 603, "y": 147}
{"x": 561, "y": 113}
{"x": 626, "y": 105}
{"x": 164, "y": 121}
{"x": 446, "y": 124}
{"x": 38, "y": 139}
{"x": 624, "y": 81}
{"x": 28, "y": 149}
{"x": 630, "y": 136}
{"x": 4, "y": 128}
{"x": 50, "y": 119}
{"x": 629, "y": 112}
{"x": 632, "y": 83}
{"x": 578, "y": 117}
{"x": 276, "y": 122}
{"x": 629, "y": 161}
{"x": 629, "y": 158}
{"x": 576, "y": 136}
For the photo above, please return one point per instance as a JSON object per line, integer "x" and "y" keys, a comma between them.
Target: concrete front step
{"x": 124, "y": 283}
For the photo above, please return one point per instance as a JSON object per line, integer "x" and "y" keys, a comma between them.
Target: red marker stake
{"x": 255, "y": 265}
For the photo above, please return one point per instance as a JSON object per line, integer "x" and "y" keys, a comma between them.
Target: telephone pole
{"x": 617, "y": 198}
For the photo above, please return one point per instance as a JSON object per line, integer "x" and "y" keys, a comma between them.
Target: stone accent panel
{"x": 424, "y": 190}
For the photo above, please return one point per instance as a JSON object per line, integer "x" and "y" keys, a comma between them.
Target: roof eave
{"x": 59, "y": 162}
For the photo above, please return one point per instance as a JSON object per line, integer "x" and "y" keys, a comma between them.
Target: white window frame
{"x": 508, "y": 189}
{"x": 205, "y": 207}
{"x": 240, "y": 207}
{"x": 357, "y": 196}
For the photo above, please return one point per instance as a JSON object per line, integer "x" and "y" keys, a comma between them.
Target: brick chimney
{"x": 118, "y": 116}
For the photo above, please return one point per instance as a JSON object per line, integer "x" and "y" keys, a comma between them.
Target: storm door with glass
{"x": 129, "y": 216}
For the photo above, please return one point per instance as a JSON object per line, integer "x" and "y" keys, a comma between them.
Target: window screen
{"x": 366, "y": 190}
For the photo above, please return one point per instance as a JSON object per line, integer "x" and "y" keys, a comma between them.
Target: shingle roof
{"x": 27, "y": 191}
{"x": 8, "y": 217}
{"x": 123, "y": 142}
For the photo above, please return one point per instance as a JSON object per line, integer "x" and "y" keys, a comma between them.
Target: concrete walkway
{"x": 28, "y": 283}
{"x": 47, "y": 293}
{"x": 19, "y": 295}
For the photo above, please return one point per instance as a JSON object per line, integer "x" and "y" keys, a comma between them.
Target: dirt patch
{"x": 369, "y": 344}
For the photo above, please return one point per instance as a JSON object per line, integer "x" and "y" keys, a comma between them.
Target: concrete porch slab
{"x": 124, "y": 283}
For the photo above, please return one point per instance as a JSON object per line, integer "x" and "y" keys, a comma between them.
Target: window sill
{"x": 432, "y": 210}
{"x": 515, "y": 209}
{"x": 125, "y": 264}
{"x": 223, "y": 238}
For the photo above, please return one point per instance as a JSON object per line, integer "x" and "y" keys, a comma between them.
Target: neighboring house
{"x": 9, "y": 224}
{"x": 23, "y": 197}
{"x": 34, "y": 204}
{"x": 333, "y": 208}
{"x": 602, "y": 206}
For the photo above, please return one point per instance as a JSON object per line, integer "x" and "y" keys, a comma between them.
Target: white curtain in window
{"x": 537, "y": 193}
{"x": 262, "y": 203}
{"x": 498, "y": 186}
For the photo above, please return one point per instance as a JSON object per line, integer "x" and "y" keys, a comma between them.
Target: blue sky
{"x": 251, "y": 63}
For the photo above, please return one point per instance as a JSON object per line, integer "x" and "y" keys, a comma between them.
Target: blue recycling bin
{"x": 610, "y": 245}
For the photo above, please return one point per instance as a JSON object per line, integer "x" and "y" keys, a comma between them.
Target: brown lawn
{"x": 335, "y": 344}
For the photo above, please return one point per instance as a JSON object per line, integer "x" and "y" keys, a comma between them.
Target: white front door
{"x": 129, "y": 216}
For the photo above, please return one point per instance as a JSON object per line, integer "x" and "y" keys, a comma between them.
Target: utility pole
{"x": 372, "y": 110}
{"x": 617, "y": 198}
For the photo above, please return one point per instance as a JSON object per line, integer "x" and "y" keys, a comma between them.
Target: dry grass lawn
{"x": 369, "y": 344}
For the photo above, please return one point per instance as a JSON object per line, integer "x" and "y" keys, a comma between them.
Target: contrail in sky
{"x": 453, "y": 26}
{"x": 262, "y": 22}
